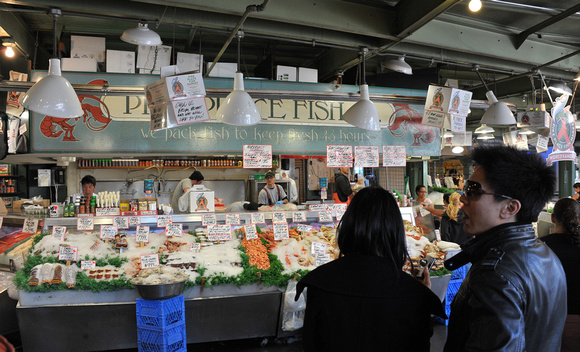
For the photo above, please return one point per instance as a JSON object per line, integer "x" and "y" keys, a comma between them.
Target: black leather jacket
{"x": 513, "y": 297}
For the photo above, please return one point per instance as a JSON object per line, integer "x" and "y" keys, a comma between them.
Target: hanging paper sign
{"x": 281, "y": 231}
{"x": 562, "y": 132}
{"x": 278, "y": 216}
{"x": 257, "y": 156}
{"x": 88, "y": 264}
{"x": 68, "y": 253}
{"x": 142, "y": 234}
{"x": 190, "y": 110}
{"x": 219, "y": 232}
{"x": 30, "y": 225}
{"x": 208, "y": 219}
{"x": 366, "y": 156}
{"x": 173, "y": 229}
{"x": 149, "y": 261}
{"x": 163, "y": 220}
{"x": 304, "y": 228}
{"x": 441, "y": 101}
{"x": 318, "y": 248}
{"x": 325, "y": 216}
{"x": 251, "y": 231}
{"x": 433, "y": 118}
{"x": 232, "y": 219}
{"x": 85, "y": 224}
{"x": 339, "y": 155}
{"x": 298, "y": 216}
{"x": 257, "y": 218}
{"x": 59, "y": 232}
{"x": 394, "y": 156}
{"x": 122, "y": 222}
{"x": 322, "y": 259}
{"x": 195, "y": 247}
{"x": 108, "y": 231}
{"x": 462, "y": 139}
{"x": 542, "y": 144}
{"x": 158, "y": 116}
{"x": 515, "y": 139}
{"x": 134, "y": 220}
{"x": 458, "y": 123}
{"x": 339, "y": 214}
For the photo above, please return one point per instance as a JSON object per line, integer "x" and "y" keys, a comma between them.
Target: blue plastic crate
{"x": 451, "y": 291}
{"x": 160, "y": 314}
{"x": 460, "y": 273}
{"x": 170, "y": 340}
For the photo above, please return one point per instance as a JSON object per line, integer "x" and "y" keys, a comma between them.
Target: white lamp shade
{"x": 526, "y": 131}
{"x": 484, "y": 129}
{"x": 560, "y": 88}
{"x": 363, "y": 114}
{"x": 53, "y": 95}
{"x": 498, "y": 113}
{"x": 399, "y": 65}
{"x": 141, "y": 35}
{"x": 485, "y": 136}
{"x": 238, "y": 108}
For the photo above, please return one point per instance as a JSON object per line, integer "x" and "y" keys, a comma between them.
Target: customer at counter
{"x": 343, "y": 192}
{"x": 576, "y": 195}
{"x": 196, "y": 178}
{"x": 514, "y": 295}
{"x": 452, "y": 221}
{"x": 272, "y": 193}
{"x": 88, "y": 185}
{"x": 364, "y": 301}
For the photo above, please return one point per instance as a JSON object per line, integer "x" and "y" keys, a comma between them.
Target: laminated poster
{"x": 257, "y": 156}
{"x": 366, "y": 156}
{"x": 339, "y": 156}
{"x": 394, "y": 156}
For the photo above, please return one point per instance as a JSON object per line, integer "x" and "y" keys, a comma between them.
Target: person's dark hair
{"x": 89, "y": 179}
{"x": 576, "y": 185}
{"x": 517, "y": 174}
{"x": 419, "y": 187}
{"x": 446, "y": 197}
{"x": 196, "y": 176}
{"x": 372, "y": 225}
{"x": 567, "y": 212}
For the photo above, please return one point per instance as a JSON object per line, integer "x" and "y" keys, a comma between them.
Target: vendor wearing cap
{"x": 196, "y": 178}
{"x": 272, "y": 193}
{"x": 88, "y": 184}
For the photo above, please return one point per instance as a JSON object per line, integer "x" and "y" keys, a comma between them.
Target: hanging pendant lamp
{"x": 141, "y": 35}
{"x": 53, "y": 95}
{"x": 399, "y": 64}
{"x": 363, "y": 114}
{"x": 498, "y": 113}
{"x": 238, "y": 108}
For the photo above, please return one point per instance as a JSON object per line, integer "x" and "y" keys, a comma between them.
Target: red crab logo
{"x": 406, "y": 119}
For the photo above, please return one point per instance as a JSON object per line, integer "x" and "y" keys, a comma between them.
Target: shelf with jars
{"x": 200, "y": 163}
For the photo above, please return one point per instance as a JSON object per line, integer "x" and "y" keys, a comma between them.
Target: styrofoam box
{"x": 189, "y": 62}
{"x": 286, "y": 73}
{"x": 223, "y": 69}
{"x": 146, "y": 57}
{"x": 145, "y": 71}
{"x": 82, "y": 47}
{"x": 307, "y": 75}
{"x": 120, "y": 61}
{"x": 79, "y": 65}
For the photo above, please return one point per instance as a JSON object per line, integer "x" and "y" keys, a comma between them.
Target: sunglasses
{"x": 473, "y": 191}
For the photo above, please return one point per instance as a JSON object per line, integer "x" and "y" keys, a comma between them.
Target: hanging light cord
{"x": 481, "y": 78}
{"x": 55, "y": 14}
{"x": 363, "y": 69}
{"x": 240, "y": 34}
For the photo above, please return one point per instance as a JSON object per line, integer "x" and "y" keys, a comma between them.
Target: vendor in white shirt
{"x": 88, "y": 185}
{"x": 272, "y": 193}
{"x": 196, "y": 178}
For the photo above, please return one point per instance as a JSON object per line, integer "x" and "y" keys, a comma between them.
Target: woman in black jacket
{"x": 452, "y": 221}
{"x": 363, "y": 301}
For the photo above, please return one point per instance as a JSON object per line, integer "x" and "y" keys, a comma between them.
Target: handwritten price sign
{"x": 394, "y": 155}
{"x": 142, "y": 234}
{"x": 149, "y": 261}
{"x": 174, "y": 230}
{"x": 190, "y": 110}
{"x": 304, "y": 228}
{"x": 85, "y": 224}
{"x": 163, "y": 220}
{"x": 278, "y": 216}
{"x": 59, "y": 232}
{"x": 68, "y": 253}
{"x": 134, "y": 220}
{"x": 258, "y": 218}
{"x": 299, "y": 216}
{"x": 339, "y": 156}
{"x": 366, "y": 156}
{"x": 257, "y": 156}
{"x": 195, "y": 247}
{"x": 280, "y": 231}
{"x": 325, "y": 216}
{"x": 219, "y": 232}
{"x": 108, "y": 231}
{"x": 232, "y": 219}
{"x": 30, "y": 225}
{"x": 122, "y": 222}
{"x": 251, "y": 231}
{"x": 88, "y": 264}
{"x": 208, "y": 219}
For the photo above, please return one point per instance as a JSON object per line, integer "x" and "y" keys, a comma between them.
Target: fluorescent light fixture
{"x": 560, "y": 88}
{"x": 484, "y": 129}
{"x": 475, "y": 5}
{"x": 457, "y": 150}
{"x": 526, "y": 131}
{"x": 498, "y": 113}
{"x": 141, "y": 35}
{"x": 447, "y": 134}
{"x": 577, "y": 78}
{"x": 363, "y": 114}
{"x": 238, "y": 108}
{"x": 486, "y": 136}
{"x": 399, "y": 65}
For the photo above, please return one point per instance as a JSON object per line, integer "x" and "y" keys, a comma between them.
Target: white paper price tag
{"x": 88, "y": 264}
{"x": 1, "y": 221}
{"x": 339, "y": 214}
{"x": 174, "y": 229}
{"x": 219, "y": 232}
{"x": 318, "y": 207}
{"x": 340, "y": 206}
{"x": 59, "y": 232}
{"x": 108, "y": 231}
{"x": 163, "y": 220}
{"x": 95, "y": 245}
{"x": 437, "y": 235}
{"x": 208, "y": 219}
{"x": 149, "y": 261}
{"x": 251, "y": 231}
{"x": 86, "y": 224}
{"x": 68, "y": 253}
{"x": 232, "y": 219}
{"x": 322, "y": 259}
{"x": 258, "y": 218}
{"x": 142, "y": 234}
{"x": 299, "y": 216}
{"x": 280, "y": 231}
{"x": 30, "y": 225}
{"x": 304, "y": 228}
{"x": 318, "y": 248}
{"x": 195, "y": 247}
{"x": 122, "y": 222}
{"x": 134, "y": 220}
{"x": 325, "y": 216}
{"x": 278, "y": 216}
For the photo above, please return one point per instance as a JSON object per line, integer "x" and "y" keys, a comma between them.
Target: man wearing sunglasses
{"x": 514, "y": 296}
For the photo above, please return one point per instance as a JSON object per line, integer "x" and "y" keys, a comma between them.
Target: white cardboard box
{"x": 189, "y": 62}
{"x": 120, "y": 61}
{"x": 307, "y": 75}
{"x": 82, "y": 47}
{"x": 147, "y": 58}
{"x": 175, "y": 87}
{"x": 286, "y": 73}
{"x": 79, "y": 65}
{"x": 223, "y": 69}
{"x": 202, "y": 202}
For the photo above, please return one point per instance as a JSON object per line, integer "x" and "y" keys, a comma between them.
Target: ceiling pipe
{"x": 249, "y": 9}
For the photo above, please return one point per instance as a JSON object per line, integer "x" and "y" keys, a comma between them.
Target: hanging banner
{"x": 562, "y": 132}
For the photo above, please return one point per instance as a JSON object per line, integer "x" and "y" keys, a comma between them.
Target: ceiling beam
{"x": 521, "y": 38}
{"x": 414, "y": 14}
